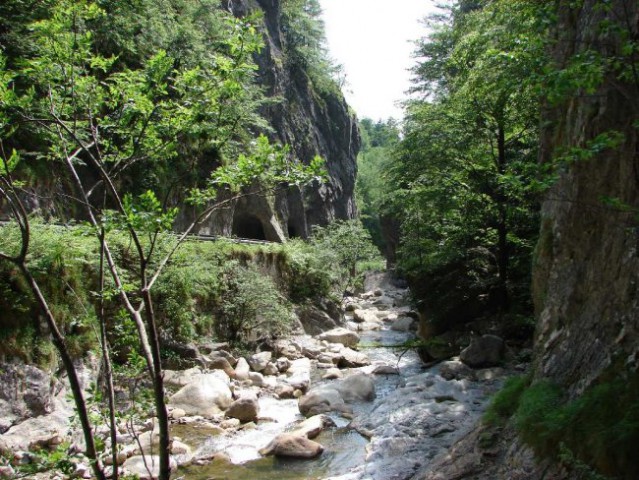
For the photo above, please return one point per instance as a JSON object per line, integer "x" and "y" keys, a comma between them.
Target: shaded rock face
{"x": 313, "y": 123}
{"x": 586, "y": 271}
{"x": 25, "y": 392}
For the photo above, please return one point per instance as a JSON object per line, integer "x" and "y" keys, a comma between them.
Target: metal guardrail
{"x": 199, "y": 237}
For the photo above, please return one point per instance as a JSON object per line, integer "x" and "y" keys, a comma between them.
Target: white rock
{"x": 242, "y": 369}
{"x": 356, "y": 388}
{"x": 136, "y": 466}
{"x": 259, "y": 361}
{"x": 341, "y": 335}
{"x": 403, "y": 324}
{"x": 206, "y": 396}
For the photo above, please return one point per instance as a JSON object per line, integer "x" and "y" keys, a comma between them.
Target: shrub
{"x": 595, "y": 434}
{"x": 250, "y": 306}
{"x": 505, "y": 403}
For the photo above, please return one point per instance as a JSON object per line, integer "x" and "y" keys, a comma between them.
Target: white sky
{"x": 372, "y": 39}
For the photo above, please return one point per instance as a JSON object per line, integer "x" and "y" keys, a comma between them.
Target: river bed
{"x": 417, "y": 413}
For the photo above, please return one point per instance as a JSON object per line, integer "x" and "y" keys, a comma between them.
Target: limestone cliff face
{"x": 313, "y": 123}
{"x": 586, "y": 273}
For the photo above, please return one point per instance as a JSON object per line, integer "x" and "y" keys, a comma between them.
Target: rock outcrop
{"x": 586, "y": 271}
{"x": 313, "y": 122}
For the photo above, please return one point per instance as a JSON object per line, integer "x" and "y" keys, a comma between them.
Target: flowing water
{"x": 416, "y": 414}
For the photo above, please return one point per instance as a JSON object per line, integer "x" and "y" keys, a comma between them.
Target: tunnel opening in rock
{"x": 248, "y": 226}
{"x": 292, "y": 231}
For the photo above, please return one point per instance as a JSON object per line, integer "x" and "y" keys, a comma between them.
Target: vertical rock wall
{"x": 313, "y": 123}
{"x": 586, "y": 271}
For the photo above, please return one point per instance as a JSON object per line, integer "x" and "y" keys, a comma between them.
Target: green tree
{"x": 99, "y": 118}
{"x": 349, "y": 245}
{"x": 466, "y": 166}
{"x": 379, "y": 140}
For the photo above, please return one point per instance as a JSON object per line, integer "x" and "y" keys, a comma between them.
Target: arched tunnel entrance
{"x": 248, "y": 226}
{"x": 292, "y": 231}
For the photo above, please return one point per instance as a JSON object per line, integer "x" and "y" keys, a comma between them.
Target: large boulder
{"x": 292, "y": 446}
{"x": 365, "y": 316}
{"x": 357, "y": 388}
{"x": 245, "y": 409}
{"x": 346, "y": 337}
{"x": 300, "y": 374}
{"x": 25, "y": 392}
{"x": 219, "y": 362}
{"x": 322, "y": 400}
{"x": 145, "y": 467}
{"x": 259, "y": 361}
{"x": 313, "y": 426}
{"x": 242, "y": 369}
{"x": 207, "y": 395}
{"x": 315, "y": 320}
{"x": 484, "y": 351}
{"x": 352, "y": 359}
{"x": 403, "y": 324}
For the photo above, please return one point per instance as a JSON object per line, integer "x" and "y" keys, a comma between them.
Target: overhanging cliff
{"x": 312, "y": 121}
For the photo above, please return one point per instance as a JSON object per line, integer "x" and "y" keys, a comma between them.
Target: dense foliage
{"x": 379, "y": 140}
{"x": 209, "y": 289}
{"x": 305, "y": 49}
{"x": 464, "y": 178}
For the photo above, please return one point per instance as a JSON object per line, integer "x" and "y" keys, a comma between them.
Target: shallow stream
{"x": 416, "y": 414}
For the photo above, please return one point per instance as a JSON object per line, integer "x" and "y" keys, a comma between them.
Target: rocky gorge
{"x": 353, "y": 401}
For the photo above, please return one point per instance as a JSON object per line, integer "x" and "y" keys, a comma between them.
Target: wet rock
{"x": 352, "y": 359}
{"x": 352, "y": 306}
{"x": 384, "y": 301}
{"x": 286, "y": 349}
{"x": 385, "y": 370}
{"x": 361, "y": 316}
{"x": 245, "y": 409}
{"x": 438, "y": 348}
{"x": 242, "y": 369}
{"x": 186, "y": 355}
{"x": 332, "y": 373}
{"x": 179, "y": 448}
{"x": 219, "y": 363}
{"x": 270, "y": 369}
{"x": 484, "y": 351}
{"x": 206, "y": 396}
{"x": 341, "y": 335}
{"x": 312, "y": 351}
{"x": 292, "y": 446}
{"x": 300, "y": 374}
{"x": 329, "y": 358}
{"x": 177, "y": 413}
{"x": 212, "y": 348}
{"x": 322, "y": 400}
{"x": 456, "y": 370}
{"x": 256, "y": 379}
{"x": 378, "y": 292}
{"x": 284, "y": 391}
{"x": 358, "y": 387}
{"x": 136, "y": 466}
{"x": 283, "y": 364}
{"x": 230, "y": 424}
{"x": 259, "y": 361}
{"x": 403, "y": 324}
{"x": 313, "y": 426}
